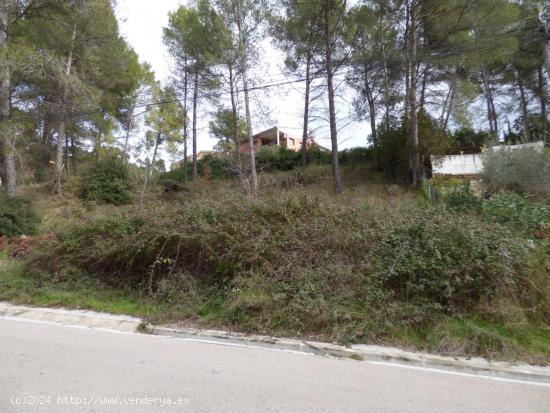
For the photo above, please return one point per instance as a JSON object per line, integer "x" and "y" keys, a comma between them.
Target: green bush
{"x": 17, "y": 217}
{"x": 175, "y": 175}
{"x": 520, "y": 170}
{"x": 356, "y": 155}
{"x": 317, "y": 156}
{"x": 294, "y": 264}
{"x": 450, "y": 262}
{"x": 216, "y": 167}
{"x": 105, "y": 181}
{"x": 391, "y": 142}
{"x": 461, "y": 199}
{"x": 276, "y": 158}
{"x": 518, "y": 211}
{"x": 390, "y": 149}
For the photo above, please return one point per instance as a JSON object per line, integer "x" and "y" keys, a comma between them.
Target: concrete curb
{"x": 63, "y": 316}
{"x": 127, "y": 324}
{"x": 476, "y": 366}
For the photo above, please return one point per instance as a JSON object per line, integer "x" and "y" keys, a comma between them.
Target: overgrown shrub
{"x": 390, "y": 149}
{"x": 294, "y": 264}
{"x": 17, "y": 217}
{"x": 460, "y": 198}
{"x": 356, "y": 155}
{"x": 450, "y": 262}
{"x": 521, "y": 170}
{"x": 453, "y": 193}
{"x": 216, "y": 167}
{"x": 318, "y": 156}
{"x": 276, "y": 158}
{"x": 391, "y": 145}
{"x": 268, "y": 159}
{"x": 105, "y": 181}
{"x": 175, "y": 175}
{"x": 518, "y": 211}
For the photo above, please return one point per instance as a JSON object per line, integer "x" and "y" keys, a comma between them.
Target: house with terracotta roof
{"x": 278, "y": 137}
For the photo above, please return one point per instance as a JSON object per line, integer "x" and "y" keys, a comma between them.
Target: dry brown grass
{"x": 329, "y": 299}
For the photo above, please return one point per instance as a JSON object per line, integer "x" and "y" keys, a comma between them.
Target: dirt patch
{"x": 542, "y": 234}
{"x": 18, "y": 247}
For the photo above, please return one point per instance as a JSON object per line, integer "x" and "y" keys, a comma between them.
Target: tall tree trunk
{"x": 67, "y": 171}
{"x": 235, "y": 120}
{"x": 494, "y": 116}
{"x": 305, "y": 132}
{"x": 449, "y": 109}
{"x": 64, "y": 101}
{"x": 547, "y": 48}
{"x": 254, "y": 176}
{"x": 337, "y": 180}
{"x": 413, "y": 114}
{"x": 7, "y": 145}
{"x": 491, "y": 112}
{"x": 523, "y": 102}
{"x": 445, "y": 104}
{"x": 47, "y": 134}
{"x": 149, "y": 173}
{"x": 2, "y": 177}
{"x": 155, "y": 151}
{"x": 372, "y": 116}
{"x": 244, "y": 68}
{"x": 424, "y": 86}
{"x": 386, "y": 81}
{"x": 129, "y": 123}
{"x": 490, "y": 117}
{"x": 370, "y": 102}
{"x": 407, "y": 61}
{"x": 73, "y": 150}
{"x": 542, "y": 99}
{"x": 544, "y": 18}
{"x": 185, "y": 163}
{"x": 185, "y": 135}
{"x": 45, "y": 127}
{"x": 195, "y": 98}
{"x": 46, "y": 137}
{"x": 97, "y": 141}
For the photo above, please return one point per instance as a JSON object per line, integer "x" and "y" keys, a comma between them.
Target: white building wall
{"x": 534, "y": 145}
{"x": 471, "y": 164}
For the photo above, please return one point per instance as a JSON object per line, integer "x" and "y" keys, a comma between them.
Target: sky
{"x": 141, "y": 23}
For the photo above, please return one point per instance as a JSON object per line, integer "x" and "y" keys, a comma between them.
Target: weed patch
{"x": 296, "y": 265}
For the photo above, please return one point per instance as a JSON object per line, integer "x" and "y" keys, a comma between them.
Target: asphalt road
{"x": 54, "y": 368}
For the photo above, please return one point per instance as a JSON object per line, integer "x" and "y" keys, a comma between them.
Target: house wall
{"x": 245, "y": 145}
{"x": 472, "y": 164}
{"x": 534, "y": 145}
{"x": 285, "y": 140}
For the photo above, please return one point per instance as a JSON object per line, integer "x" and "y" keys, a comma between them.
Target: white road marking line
{"x": 458, "y": 373}
{"x": 303, "y": 353}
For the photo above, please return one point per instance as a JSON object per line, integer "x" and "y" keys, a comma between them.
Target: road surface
{"x": 55, "y": 368}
